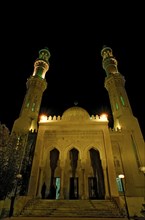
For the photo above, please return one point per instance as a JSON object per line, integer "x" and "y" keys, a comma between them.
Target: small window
{"x": 28, "y": 104}
{"x": 116, "y": 105}
{"x": 122, "y": 100}
{"x": 33, "y": 107}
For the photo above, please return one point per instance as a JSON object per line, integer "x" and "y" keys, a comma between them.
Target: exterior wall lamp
{"x": 121, "y": 176}
{"x": 18, "y": 178}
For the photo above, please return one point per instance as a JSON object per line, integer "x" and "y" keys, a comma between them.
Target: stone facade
{"x": 77, "y": 156}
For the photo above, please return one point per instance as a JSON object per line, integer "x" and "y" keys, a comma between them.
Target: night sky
{"x": 75, "y": 35}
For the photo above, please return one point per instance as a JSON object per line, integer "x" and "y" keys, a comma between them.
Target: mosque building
{"x": 79, "y": 167}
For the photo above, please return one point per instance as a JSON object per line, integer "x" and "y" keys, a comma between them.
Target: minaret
{"x": 115, "y": 85}
{"x": 36, "y": 85}
{"x": 121, "y": 109}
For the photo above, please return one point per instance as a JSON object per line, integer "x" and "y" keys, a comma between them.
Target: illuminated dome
{"x": 75, "y": 113}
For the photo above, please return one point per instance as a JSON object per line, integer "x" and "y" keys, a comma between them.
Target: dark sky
{"x": 75, "y": 34}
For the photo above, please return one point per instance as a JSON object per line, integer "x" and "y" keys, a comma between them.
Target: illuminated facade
{"x": 79, "y": 154}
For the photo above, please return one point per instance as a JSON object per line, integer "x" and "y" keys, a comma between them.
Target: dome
{"x": 75, "y": 113}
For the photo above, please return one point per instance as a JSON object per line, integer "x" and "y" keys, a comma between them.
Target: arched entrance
{"x": 54, "y": 182}
{"x": 96, "y": 182}
{"x": 73, "y": 191}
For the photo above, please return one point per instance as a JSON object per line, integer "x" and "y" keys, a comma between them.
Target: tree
{"x": 143, "y": 210}
{"x": 16, "y": 156}
{"x": 10, "y": 160}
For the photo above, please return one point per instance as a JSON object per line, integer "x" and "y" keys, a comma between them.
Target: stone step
{"x": 71, "y": 208}
{"x": 62, "y": 218}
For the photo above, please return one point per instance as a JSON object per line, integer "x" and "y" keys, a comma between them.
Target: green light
{"x": 117, "y": 107}
{"x": 122, "y": 101}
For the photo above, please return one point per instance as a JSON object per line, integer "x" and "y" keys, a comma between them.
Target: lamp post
{"x": 121, "y": 176}
{"x": 18, "y": 177}
{"x": 142, "y": 169}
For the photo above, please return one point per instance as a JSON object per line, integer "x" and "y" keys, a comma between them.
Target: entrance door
{"x": 92, "y": 183}
{"x": 55, "y": 189}
{"x": 73, "y": 192}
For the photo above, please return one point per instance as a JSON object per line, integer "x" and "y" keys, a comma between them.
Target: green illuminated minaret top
{"x": 36, "y": 85}
{"x": 115, "y": 85}
{"x": 109, "y": 63}
{"x": 41, "y": 64}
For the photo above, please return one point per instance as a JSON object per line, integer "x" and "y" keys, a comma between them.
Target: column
{"x": 62, "y": 182}
{"x": 83, "y": 184}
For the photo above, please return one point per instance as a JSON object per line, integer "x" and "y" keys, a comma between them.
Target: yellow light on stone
{"x": 121, "y": 176}
{"x": 103, "y": 117}
{"x": 43, "y": 118}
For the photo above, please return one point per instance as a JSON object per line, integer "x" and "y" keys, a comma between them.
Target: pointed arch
{"x": 54, "y": 156}
{"x": 99, "y": 186}
{"x": 73, "y": 153}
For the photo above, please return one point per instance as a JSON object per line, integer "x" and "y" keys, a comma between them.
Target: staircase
{"x": 70, "y": 209}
